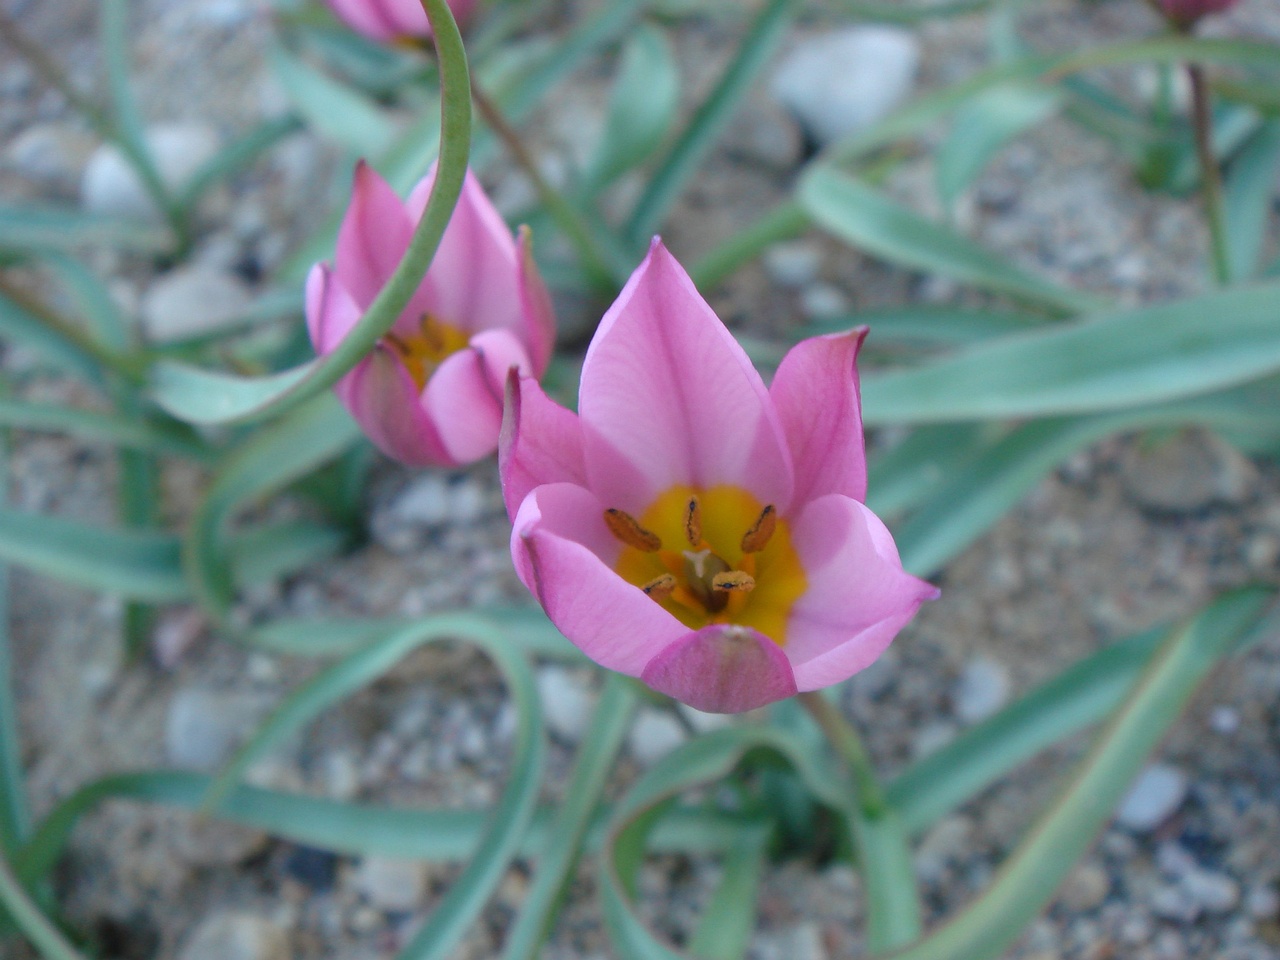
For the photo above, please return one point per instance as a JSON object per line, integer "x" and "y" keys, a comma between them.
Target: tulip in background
{"x": 389, "y": 21}
{"x": 430, "y": 393}
{"x": 691, "y": 527}
{"x": 1184, "y": 13}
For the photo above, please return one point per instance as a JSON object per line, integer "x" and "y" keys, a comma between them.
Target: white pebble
{"x": 794, "y": 264}
{"x": 192, "y": 301}
{"x": 236, "y": 936}
{"x": 110, "y": 186}
{"x": 840, "y": 82}
{"x": 1211, "y": 892}
{"x": 566, "y": 702}
{"x": 390, "y": 884}
{"x": 822, "y": 301}
{"x": 982, "y": 689}
{"x": 1157, "y": 793}
{"x": 654, "y": 734}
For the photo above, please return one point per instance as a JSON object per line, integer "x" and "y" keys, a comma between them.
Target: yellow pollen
{"x": 693, "y": 522}
{"x": 738, "y": 566}
{"x": 424, "y": 351}
{"x": 625, "y": 528}
{"x": 757, "y": 538}
{"x": 733, "y": 580}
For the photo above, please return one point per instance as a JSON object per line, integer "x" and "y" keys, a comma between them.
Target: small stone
{"x": 1157, "y": 793}
{"x": 1224, "y": 720}
{"x": 467, "y": 502}
{"x": 51, "y": 154}
{"x": 1190, "y": 472}
{"x": 175, "y": 633}
{"x": 654, "y": 734}
{"x": 1173, "y": 903}
{"x": 804, "y": 942}
{"x": 390, "y": 884}
{"x": 1263, "y": 903}
{"x": 1211, "y": 892}
{"x": 1174, "y": 861}
{"x": 794, "y": 264}
{"x": 940, "y": 846}
{"x": 192, "y": 301}
{"x": 203, "y": 726}
{"x": 424, "y": 502}
{"x": 237, "y": 936}
{"x": 566, "y": 702}
{"x": 110, "y": 186}
{"x": 342, "y": 775}
{"x": 822, "y": 301}
{"x": 932, "y": 736}
{"x": 1086, "y": 888}
{"x": 982, "y": 689}
{"x": 764, "y": 133}
{"x": 842, "y": 81}
{"x": 316, "y": 869}
{"x": 704, "y": 722}
{"x": 216, "y": 843}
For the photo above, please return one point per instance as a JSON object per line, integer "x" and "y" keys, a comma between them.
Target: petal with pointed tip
{"x": 857, "y": 595}
{"x": 816, "y": 394}
{"x": 374, "y": 235}
{"x": 541, "y": 443}
{"x": 564, "y": 552}
{"x": 473, "y": 281}
{"x": 331, "y": 311}
{"x": 535, "y": 302}
{"x": 665, "y": 385}
{"x": 722, "y": 669}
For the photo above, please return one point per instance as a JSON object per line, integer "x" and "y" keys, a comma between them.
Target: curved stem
{"x": 47, "y": 938}
{"x": 845, "y": 740}
{"x": 575, "y": 227}
{"x": 1210, "y": 175}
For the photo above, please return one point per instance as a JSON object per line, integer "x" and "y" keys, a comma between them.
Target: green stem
{"x": 47, "y": 938}
{"x": 602, "y": 279}
{"x": 1210, "y": 175}
{"x": 782, "y": 223}
{"x": 884, "y": 856}
{"x": 582, "y": 798}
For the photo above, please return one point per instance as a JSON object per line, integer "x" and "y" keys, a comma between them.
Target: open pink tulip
{"x": 430, "y": 393}
{"x": 388, "y": 21}
{"x": 691, "y": 527}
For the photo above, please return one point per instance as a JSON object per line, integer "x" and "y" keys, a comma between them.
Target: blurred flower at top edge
{"x": 692, "y": 528}
{"x": 1184, "y": 13}
{"x": 430, "y": 392}
{"x": 388, "y": 21}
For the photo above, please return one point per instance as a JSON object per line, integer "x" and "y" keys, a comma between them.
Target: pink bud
{"x": 392, "y": 20}
{"x": 1184, "y": 13}
{"x": 431, "y": 391}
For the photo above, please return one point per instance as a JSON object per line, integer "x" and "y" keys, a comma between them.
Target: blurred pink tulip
{"x": 1184, "y": 13}
{"x": 392, "y": 20}
{"x": 430, "y": 393}
{"x": 691, "y": 527}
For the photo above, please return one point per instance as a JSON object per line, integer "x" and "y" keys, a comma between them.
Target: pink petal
{"x": 564, "y": 553}
{"x": 858, "y": 595}
{"x": 464, "y": 406}
{"x": 373, "y": 237}
{"x": 384, "y": 400}
{"x": 541, "y": 442}
{"x": 331, "y": 312}
{"x": 816, "y": 394}
{"x": 366, "y": 17}
{"x": 722, "y": 669}
{"x": 666, "y": 386}
{"x": 473, "y": 282}
{"x": 535, "y": 302}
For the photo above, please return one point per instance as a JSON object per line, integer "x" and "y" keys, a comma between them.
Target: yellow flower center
{"x": 712, "y": 556}
{"x": 424, "y": 351}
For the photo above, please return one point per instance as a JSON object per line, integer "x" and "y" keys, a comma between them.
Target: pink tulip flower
{"x": 1184, "y": 13}
{"x": 691, "y": 527}
{"x": 430, "y": 392}
{"x": 390, "y": 21}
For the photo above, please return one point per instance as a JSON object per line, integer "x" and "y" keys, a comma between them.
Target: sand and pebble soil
{"x": 1132, "y": 532}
